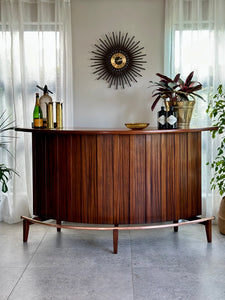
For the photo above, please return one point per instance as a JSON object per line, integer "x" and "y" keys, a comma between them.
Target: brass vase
{"x": 184, "y": 111}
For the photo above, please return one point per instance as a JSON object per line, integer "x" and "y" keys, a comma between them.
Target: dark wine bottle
{"x": 162, "y": 118}
{"x": 37, "y": 114}
{"x": 171, "y": 120}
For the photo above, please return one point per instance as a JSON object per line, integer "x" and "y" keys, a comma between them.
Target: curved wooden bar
{"x": 117, "y": 176}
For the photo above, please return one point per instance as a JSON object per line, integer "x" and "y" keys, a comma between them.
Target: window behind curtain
{"x": 195, "y": 41}
{"x": 33, "y": 35}
{"x": 35, "y": 64}
{"x": 35, "y": 48}
{"x": 194, "y": 52}
{"x": 191, "y": 42}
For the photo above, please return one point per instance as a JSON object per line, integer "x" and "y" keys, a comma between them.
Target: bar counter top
{"x": 122, "y": 131}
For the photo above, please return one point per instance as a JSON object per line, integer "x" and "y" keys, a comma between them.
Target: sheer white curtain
{"x": 195, "y": 40}
{"x": 35, "y": 49}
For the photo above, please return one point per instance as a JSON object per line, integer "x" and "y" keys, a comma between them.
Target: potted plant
{"x": 216, "y": 111}
{"x": 5, "y": 172}
{"x": 178, "y": 93}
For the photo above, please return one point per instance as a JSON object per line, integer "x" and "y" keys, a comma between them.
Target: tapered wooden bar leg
{"x": 58, "y": 222}
{"x": 115, "y": 240}
{"x": 175, "y": 228}
{"x": 208, "y": 230}
{"x": 26, "y": 226}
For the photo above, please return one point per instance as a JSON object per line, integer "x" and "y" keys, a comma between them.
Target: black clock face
{"x": 118, "y": 60}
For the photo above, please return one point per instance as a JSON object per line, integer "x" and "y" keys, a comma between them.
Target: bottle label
{"x": 171, "y": 120}
{"x": 38, "y": 122}
{"x": 162, "y": 120}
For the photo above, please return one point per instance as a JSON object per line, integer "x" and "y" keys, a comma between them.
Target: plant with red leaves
{"x": 175, "y": 89}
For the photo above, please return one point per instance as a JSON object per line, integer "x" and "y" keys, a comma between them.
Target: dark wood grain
{"x": 117, "y": 178}
{"x": 171, "y": 177}
{"x": 137, "y": 179}
{"x": 105, "y": 179}
{"x": 162, "y": 183}
{"x": 181, "y": 181}
{"x": 26, "y": 227}
{"x": 154, "y": 175}
{"x": 88, "y": 183}
{"x": 121, "y": 179}
{"x": 39, "y": 175}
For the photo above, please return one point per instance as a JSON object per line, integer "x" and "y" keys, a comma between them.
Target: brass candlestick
{"x": 59, "y": 119}
{"x": 50, "y": 122}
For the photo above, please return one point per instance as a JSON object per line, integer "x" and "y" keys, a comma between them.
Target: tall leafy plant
{"x": 5, "y": 126}
{"x": 216, "y": 111}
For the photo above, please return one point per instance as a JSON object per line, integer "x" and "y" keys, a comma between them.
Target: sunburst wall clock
{"x": 118, "y": 59}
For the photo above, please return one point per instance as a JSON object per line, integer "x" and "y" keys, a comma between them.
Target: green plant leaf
{"x": 5, "y": 127}
{"x": 216, "y": 112}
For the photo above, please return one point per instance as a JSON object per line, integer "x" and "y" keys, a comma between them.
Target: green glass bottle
{"x": 37, "y": 114}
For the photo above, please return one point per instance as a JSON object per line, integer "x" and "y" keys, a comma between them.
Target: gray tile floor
{"x": 150, "y": 264}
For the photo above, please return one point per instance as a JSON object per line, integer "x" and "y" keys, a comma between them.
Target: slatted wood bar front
{"x": 116, "y": 176}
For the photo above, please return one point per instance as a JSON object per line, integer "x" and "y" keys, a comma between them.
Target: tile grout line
{"x": 27, "y": 265}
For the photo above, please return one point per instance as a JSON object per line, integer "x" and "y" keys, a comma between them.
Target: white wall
{"x": 96, "y": 105}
